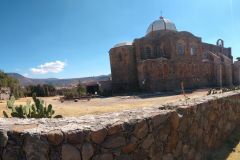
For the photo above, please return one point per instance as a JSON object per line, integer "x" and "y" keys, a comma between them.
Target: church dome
{"x": 161, "y": 24}
{"x": 122, "y": 44}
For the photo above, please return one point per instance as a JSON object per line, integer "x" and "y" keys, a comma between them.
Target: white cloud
{"x": 49, "y": 67}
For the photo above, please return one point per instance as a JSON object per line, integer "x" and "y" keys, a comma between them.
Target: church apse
{"x": 123, "y": 68}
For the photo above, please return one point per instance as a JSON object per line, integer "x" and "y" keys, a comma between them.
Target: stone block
{"x": 70, "y": 152}
{"x": 55, "y": 137}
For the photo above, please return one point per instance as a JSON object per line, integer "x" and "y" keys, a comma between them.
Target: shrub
{"x": 36, "y": 110}
{"x": 74, "y": 93}
{"x": 45, "y": 90}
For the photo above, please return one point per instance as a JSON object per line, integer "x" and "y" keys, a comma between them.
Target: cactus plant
{"x": 37, "y": 110}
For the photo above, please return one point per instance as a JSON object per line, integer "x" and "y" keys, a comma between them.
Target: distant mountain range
{"x": 24, "y": 81}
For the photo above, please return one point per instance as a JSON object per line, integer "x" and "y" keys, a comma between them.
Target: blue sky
{"x": 76, "y": 35}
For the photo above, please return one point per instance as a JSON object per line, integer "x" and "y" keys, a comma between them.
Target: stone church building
{"x": 165, "y": 58}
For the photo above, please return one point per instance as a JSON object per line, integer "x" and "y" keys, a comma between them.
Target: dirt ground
{"x": 104, "y": 105}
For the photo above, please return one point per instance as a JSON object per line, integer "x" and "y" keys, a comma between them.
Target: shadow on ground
{"x": 230, "y": 150}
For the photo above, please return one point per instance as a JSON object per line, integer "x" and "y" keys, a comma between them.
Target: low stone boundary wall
{"x": 187, "y": 130}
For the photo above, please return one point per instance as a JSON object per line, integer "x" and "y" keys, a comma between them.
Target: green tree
{"x": 81, "y": 90}
{"x": 40, "y": 90}
{"x": 13, "y": 84}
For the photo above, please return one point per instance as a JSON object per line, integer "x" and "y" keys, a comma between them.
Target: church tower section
{"x": 123, "y": 68}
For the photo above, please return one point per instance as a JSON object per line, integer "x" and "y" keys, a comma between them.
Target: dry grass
{"x": 235, "y": 154}
{"x": 105, "y": 105}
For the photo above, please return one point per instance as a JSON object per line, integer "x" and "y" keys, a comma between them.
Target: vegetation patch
{"x": 13, "y": 84}
{"x": 37, "y": 110}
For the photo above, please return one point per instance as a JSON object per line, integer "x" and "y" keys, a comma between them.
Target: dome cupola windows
{"x": 161, "y": 24}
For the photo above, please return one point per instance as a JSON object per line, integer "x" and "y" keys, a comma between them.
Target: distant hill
{"x": 24, "y": 81}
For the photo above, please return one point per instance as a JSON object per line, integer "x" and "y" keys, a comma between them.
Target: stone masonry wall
{"x": 187, "y": 130}
{"x": 236, "y": 73}
{"x": 123, "y": 69}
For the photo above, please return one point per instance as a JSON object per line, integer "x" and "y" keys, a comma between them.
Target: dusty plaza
{"x": 109, "y": 104}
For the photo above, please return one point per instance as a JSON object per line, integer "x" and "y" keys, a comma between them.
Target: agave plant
{"x": 37, "y": 110}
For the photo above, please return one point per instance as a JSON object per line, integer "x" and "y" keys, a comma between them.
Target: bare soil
{"x": 105, "y": 105}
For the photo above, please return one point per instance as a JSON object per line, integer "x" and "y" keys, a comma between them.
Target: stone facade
{"x": 123, "y": 68}
{"x": 184, "y": 131}
{"x": 163, "y": 59}
{"x": 5, "y": 93}
{"x": 236, "y": 75}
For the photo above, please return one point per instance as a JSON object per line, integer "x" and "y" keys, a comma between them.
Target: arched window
{"x": 192, "y": 50}
{"x": 180, "y": 49}
{"x": 220, "y": 43}
{"x": 148, "y": 52}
